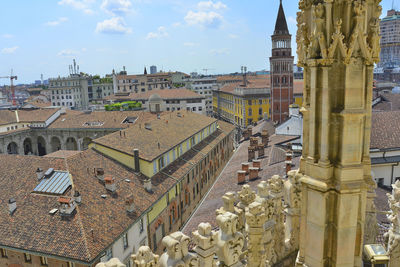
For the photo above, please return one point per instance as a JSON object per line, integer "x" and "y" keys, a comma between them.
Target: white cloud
{"x": 67, "y": 53}
{"x": 115, "y": 25}
{"x": 206, "y": 19}
{"x": 176, "y": 24}
{"x": 7, "y": 36}
{"x": 208, "y": 5}
{"x": 9, "y": 50}
{"x": 116, "y": 7}
{"x": 233, "y": 36}
{"x": 223, "y": 51}
{"x": 190, "y": 44}
{"x": 56, "y": 22}
{"x": 83, "y": 5}
{"x": 84, "y": 49}
{"x": 160, "y": 33}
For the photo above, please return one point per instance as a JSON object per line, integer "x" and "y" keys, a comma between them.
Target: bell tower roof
{"x": 281, "y": 27}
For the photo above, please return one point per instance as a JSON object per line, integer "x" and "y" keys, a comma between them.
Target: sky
{"x": 44, "y": 36}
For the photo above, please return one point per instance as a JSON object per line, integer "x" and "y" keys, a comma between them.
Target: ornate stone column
{"x": 230, "y": 241}
{"x": 145, "y": 258}
{"x": 292, "y": 189}
{"x": 337, "y": 45}
{"x": 255, "y": 219}
{"x": 205, "y": 240}
{"x": 394, "y": 232}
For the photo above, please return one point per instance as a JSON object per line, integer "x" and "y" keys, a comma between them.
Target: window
{"x": 43, "y": 261}
{"x": 249, "y": 102}
{"x": 71, "y": 264}
{"x": 260, "y": 111}
{"x": 4, "y": 253}
{"x": 155, "y": 167}
{"x": 109, "y": 254}
{"x": 161, "y": 162}
{"x": 250, "y": 112}
{"x": 125, "y": 240}
{"x": 27, "y": 257}
{"x": 141, "y": 226}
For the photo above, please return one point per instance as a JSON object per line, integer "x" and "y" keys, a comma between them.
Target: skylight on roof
{"x": 93, "y": 123}
{"x": 130, "y": 120}
{"x": 55, "y": 184}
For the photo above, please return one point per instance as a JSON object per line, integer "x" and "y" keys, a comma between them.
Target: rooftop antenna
{"x": 74, "y": 66}
{"x": 244, "y": 71}
{"x": 78, "y": 69}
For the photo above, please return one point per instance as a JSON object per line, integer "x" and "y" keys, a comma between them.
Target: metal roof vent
{"x": 12, "y": 205}
{"x": 147, "y": 126}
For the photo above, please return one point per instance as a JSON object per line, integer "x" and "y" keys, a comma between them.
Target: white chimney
{"x": 77, "y": 197}
{"x": 148, "y": 186}
{"x": 110, "y": 184}
{"x": 39, "y": 173}
{"x": 12, "y": 205}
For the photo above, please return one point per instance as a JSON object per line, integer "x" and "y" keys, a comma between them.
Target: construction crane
{"x": 12, "y": 78}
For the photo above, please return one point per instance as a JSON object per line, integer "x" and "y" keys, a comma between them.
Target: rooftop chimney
{"x": 67, "y": 205}
{"x": 39, "y": 173}
{"x": 129, "y": 204}
{"x": 110, "y": 184}
{"x": 12, "y": 205}
{"x": 148, "y": 186}
{"x": 77, "y": 197}
{"x": 136, "y": 157}
{"x": 100, "y": 174}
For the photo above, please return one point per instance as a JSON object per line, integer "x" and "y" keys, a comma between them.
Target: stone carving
{"x": 292, "y": 197}
{"x": 251, "y": 233}
{"x": 393, "y": 234}
{"x": 255, "y": 220}
{"x": 114, "y": 262}
{"x": 230, "y": 241}
{"x": 177, "y": 254}
{"x": 323, "y": 42}
{"x": 145, "y": 258}
{"x": 205, "y": 240}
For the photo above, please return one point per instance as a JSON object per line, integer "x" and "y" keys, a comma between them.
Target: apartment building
{"x": 165, "y": 100}
{"x": 203, "y": 85}
{"x": 140, "y": 83}
{"x": 390, "y": 40}
{"x": 243, "y": 103}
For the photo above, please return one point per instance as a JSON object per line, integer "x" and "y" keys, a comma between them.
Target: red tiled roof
{"x": 251, "y": 84}
{"x": 181, "y": 93}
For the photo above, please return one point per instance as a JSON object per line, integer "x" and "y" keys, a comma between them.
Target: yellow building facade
{"x": 241, "y": 104}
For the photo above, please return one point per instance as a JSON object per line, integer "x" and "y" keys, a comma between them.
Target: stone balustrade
{"x": 252, "y": 231}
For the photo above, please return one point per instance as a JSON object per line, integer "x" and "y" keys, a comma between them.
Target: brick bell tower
{"x": 281, "y": 67}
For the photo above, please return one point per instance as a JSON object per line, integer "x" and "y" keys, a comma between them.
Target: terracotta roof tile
{"x": 84, "y": 235}
{"x": 166, "y": 132}
{"x": 385, "y": 129}
{"x": 100, "y": 119}
{"x": 181, "y": 93}
{"x": 251, "y": 84}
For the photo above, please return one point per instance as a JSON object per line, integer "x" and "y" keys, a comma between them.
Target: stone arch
{"x": 71, "y": 144}
{"x": 41, "y": 145}
{"x": 85, "y": 142}
{"x": 12, "y": 148}
{"x": 55, "y": 143}
{"x": 27, "y": 145}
